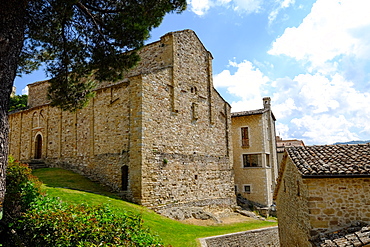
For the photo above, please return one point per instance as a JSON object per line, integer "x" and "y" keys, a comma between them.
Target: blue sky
{"x": 311, "y": 57}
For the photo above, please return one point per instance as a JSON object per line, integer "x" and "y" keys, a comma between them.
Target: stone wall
{"x": 93, "y": 141}
{"x": 185, "y": 149}
{"x": 292, "y": 207}
{"x": 334, "y": 203}
{"x": 165, "y": 122}
{"x": 37, "y": 94}
{"x": 266, "y": 237}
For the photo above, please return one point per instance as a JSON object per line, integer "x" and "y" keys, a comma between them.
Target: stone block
{"x": 315, "y": 198}
{"x": 329, "y": 211}
{"x": 319, "y": 224}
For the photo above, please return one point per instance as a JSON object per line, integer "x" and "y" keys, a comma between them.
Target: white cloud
{"x": 285, "y": 109}
{"x": 317, "y": 108}
{"x": 248, "y": 6}
{"x": 246, "y": 84}
{"x": 200, "y": 7}
{"x": 328, "y": 100}
{"x": 282, "y": 130}
{"x": 282, "y": 4}
{"x": 332, "y": 29}
{"x": 25, "y": 90}
{"x": 321, "y": 109}
{"x": 324, "y": 129}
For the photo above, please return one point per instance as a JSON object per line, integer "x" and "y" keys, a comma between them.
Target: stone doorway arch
{"x": 38, "y": 146}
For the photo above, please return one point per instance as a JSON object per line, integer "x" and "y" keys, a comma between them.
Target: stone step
{"x": 36, "y": 164}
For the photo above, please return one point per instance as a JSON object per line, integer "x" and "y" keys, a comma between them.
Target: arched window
{"x": 38, "y": 147}
{"x": 124, "y": 171}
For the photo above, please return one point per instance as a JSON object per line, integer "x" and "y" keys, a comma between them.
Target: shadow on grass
{"x": 60, "y": 178}
{"x": 71, "y": 187}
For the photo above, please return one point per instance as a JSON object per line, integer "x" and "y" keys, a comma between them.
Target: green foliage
{"x": 70, "y": 93}
{"x": 18, "y": 102}
{"x": 51, "y": 222}
{"x": 88, "y": 39}
{"x": 22, "y": 188}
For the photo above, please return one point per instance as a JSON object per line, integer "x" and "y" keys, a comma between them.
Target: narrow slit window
{"x": 194, "y": 108}
{"x": 124, "y": 171}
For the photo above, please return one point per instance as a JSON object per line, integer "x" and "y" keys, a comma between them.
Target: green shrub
{"x": 21, "y": 189}
{"x": 53, "y": 223}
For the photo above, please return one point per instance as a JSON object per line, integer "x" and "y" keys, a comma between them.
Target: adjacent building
{"x": 281, "y": 144}
{"x": 323, "y": 189}
{"x": 255, "y": 157}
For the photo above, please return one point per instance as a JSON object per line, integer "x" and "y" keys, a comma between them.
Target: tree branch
{"x": 105, "y": 11}
{"x": 98, "y": 26}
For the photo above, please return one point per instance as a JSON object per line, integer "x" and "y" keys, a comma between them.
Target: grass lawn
{"x": 73, "y": 188}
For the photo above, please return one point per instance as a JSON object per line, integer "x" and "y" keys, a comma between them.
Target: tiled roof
{"x": 247, "y": 113}
{"x": 350, "y": 236}
{"x": 332, "y": 160}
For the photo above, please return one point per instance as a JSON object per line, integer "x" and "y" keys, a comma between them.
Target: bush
{"x": 22, "y": 188}
{"x": 34, "y": 220}
{"x": 53, "y": 223}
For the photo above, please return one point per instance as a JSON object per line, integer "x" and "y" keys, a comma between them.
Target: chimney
{"x": 267, "y": 103}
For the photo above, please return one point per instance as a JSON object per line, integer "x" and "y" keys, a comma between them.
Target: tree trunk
{"x": 12, "y": 25}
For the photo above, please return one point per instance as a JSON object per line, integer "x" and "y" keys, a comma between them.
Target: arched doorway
{"x": 38, "y": 147}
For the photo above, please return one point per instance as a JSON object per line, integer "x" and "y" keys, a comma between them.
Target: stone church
{"x": 161, "y": 136}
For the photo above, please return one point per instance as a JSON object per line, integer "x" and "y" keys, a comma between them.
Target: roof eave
{"x": 338, "y": 176}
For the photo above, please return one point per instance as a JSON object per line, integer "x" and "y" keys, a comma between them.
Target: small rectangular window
{"x": 245, "y": 136}
{"x": 268, "y": 160}
{"x": 247, "y": 188}
{"x": 252, "y": 160}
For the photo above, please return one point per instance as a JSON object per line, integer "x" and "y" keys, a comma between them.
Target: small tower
{"x": 267, "y": 103}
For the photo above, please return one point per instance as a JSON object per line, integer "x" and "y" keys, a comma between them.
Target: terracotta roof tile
{"x": 331, "y": 160}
